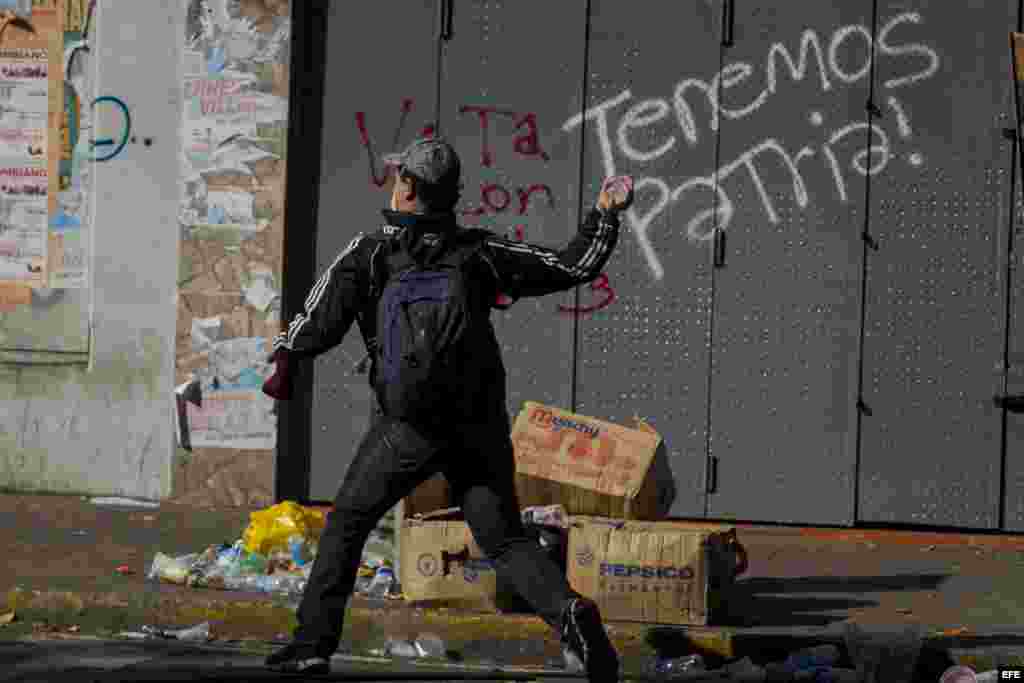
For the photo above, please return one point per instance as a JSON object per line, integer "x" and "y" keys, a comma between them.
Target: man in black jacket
{"x": 476, "y": 456}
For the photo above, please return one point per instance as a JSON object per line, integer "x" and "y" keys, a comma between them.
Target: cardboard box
{"x": 430, "y": 496}
{"x": 654, "y": 572}
{"x": 441, "y": 564}
{"x": 590, "y": 466}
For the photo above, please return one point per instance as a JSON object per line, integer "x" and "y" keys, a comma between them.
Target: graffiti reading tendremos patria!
{"x": 818, "y": 63}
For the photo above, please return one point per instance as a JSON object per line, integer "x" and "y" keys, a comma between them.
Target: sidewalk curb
{"x": 368, "y": 624}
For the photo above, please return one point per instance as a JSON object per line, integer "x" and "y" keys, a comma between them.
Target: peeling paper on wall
{"x": 235, "y": 413}
{"x": 206, "y": 332}
{"x": 260, "y": 292}
{"x": 13, "y": 295}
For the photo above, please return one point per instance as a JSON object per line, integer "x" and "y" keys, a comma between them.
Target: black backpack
{"x": 431, "y": 341}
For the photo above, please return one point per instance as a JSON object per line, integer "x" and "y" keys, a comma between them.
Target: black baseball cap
{"x": 431, "y": 159}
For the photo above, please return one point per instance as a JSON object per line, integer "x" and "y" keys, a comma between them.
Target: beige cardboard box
{"x": 590, "y": 466}
{"x": 441, "y": 564}
{"x": 654, "y": 572}
{"x": 430, "y": 496}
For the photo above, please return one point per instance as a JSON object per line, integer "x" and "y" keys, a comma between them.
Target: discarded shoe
{"x": 294, "y": 659}
{"x": 585, "y": 644}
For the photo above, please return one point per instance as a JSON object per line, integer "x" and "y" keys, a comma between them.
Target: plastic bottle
{"x": 298, "y": 549}
{"x": 230, "y": 555}
{"x": 290, "y": 585}
{"x": 401, "y": 648}
{"x": 813, "y": 657}
{"x": 663, "y": 667}
{"x": 254, "y": 563}
{"x": 430, "y": 645}
{"x": 253, "y": 583}
{"x": 382, "y": 583}
{"x": 362, "y": 586}
{"x": 235, "y": 582}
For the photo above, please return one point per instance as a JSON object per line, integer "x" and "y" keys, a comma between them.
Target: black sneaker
{"x": 585, "y": 644}
{"x": 293, "y": 659}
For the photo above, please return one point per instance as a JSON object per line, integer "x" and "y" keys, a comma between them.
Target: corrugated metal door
{"x": 1013, "y": 496}
{"x": 788, "y": 277}
{"x": 648, "y": 114}
{"x": 511, "y": 75}
{"x": 1013, "y": 473}
{"x": 935, "y": 308}
{"x": 380, "y": 89}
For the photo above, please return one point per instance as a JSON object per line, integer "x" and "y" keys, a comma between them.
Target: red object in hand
{"x": 279, "y": 385}
{"x": 124, "y": 570}
{"x": 503, "y": 301}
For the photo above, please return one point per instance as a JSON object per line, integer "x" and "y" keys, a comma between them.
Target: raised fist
{"x": 616, "y": 193}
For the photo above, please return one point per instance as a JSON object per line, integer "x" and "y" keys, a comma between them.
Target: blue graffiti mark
{"x": 126, "y": 132}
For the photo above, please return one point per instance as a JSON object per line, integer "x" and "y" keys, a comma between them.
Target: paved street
{"x": 109, "y": 661}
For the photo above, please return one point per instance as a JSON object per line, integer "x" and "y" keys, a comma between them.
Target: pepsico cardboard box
{"x": 590, "y": 466}
{"x": 655, "y": 572}
{"x": 441, "y": 563}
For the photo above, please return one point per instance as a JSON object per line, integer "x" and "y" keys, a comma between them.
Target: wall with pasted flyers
{"x": 165, "y": 192}
{"x": 231, "y": 219}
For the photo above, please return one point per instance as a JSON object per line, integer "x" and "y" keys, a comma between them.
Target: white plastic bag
{"x": 171, "y": 569}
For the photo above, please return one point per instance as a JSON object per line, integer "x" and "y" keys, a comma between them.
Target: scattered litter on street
{"x": 424, "y": 646}
{"x": 79, "y": 532}
{"x": 171, "y": 569}
{"x": 814, "y": 665}
{"x": 125, "y": 502}
{"x": 198, "y": 633}
{"x": 275, "y": 555}
{"x": 383, "y": 582}
{"x": 56, "y": 630}
{"x": 404, "y": 649}
{"x": 431, "y": 645}
{"x": 953, "y": 632}
{"x": 547, "y": 515}
{"x": 672, "y": 667}
{"x": 6, "y": 618}
{"x": 272, "y": 528}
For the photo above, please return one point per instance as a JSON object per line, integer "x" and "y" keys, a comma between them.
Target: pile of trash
{"x": 818, "y": 664}
{"x": 275, "y": 555}
{"x": 872, "y": 657}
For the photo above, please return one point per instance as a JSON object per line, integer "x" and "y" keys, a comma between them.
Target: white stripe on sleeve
{"x": 315, "y": 296}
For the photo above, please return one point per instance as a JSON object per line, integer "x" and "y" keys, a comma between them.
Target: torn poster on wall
{"x": 24, "y": 105}
{"x": 236, "y": 113}
{"x": 235, "y": 413}
{"x": 23, "y": 224}
{"x": 70, "y": 224}
{"x": 235, "y": 92}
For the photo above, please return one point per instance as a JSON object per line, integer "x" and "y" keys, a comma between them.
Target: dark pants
{"x": 392, "y": 460}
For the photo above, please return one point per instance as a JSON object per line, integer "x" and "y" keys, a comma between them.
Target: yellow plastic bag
{"x": 270, "y": 529}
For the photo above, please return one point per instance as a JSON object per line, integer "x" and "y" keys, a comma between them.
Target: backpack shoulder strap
{"x": 466, "y": 245}
{"x": 386, "y": 260}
